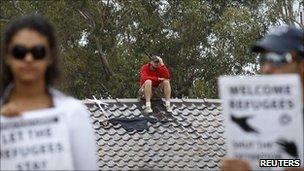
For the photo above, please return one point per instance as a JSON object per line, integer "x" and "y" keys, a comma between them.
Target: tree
{"x": 103, "y": 43}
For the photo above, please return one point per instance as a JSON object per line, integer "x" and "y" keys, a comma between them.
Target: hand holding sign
{"x": 235, "y": 165}
{"x": 9, "y": 110}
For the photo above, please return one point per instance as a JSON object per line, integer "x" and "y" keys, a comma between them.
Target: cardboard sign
{"x": 263, "y": 118}
{"x": 37, "y": 141}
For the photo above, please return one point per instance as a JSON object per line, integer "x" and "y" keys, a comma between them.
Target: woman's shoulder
{"x": 62, "y": 100}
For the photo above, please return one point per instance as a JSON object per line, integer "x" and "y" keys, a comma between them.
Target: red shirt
{"x": 147, "y": 74}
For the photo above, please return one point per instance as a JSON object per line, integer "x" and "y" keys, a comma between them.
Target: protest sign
{"x": 264, "y": 119}
{"x": 35, "y": 141}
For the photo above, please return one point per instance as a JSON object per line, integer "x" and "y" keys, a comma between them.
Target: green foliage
{"x": 104, "y": 43}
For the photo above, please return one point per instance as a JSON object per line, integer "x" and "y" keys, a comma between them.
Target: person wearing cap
{"x": 281, "y": 51}
{"x": 154, "y": 74}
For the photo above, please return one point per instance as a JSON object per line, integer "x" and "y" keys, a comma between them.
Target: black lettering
{"x": 234, "y": 90}
{"x": 266, "y": 104}
{"x": 59, "y": 147}
{"x": 31, "y": 165}
{"x": 243, "y": 144}
{"x": 260, "y": 90}
{"x": 290, "y": 104}
{"x": 11, "y": 137}
{"x": 43, "y": 133}
{"x": 19, "y": 167}
{"x": 30, "y": 133}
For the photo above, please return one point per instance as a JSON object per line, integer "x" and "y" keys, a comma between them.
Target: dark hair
{"x": 42, "y": 26}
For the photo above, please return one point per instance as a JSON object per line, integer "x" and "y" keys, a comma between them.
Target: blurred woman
{"x": 29, "y": 70}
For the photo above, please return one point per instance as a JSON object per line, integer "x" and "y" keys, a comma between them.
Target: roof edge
{"x": 132, "y": 100}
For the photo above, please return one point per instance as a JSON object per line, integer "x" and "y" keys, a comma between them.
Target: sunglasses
{"x": 275, "y": 59}
{"x": 19, "y": 52}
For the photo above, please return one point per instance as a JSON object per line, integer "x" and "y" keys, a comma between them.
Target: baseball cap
{"x": 281, "y": 40}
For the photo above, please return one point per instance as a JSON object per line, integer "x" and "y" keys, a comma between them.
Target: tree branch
{"x": 4, "y": 20}
{"x": 88, "y": 17}
{"x": 17, "y": 6}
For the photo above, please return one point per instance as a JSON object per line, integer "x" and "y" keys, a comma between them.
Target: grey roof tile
{"x": 194, "y": 141}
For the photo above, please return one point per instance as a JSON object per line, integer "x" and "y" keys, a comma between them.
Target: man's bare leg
{"x": 148, "y": 93}
{"x": 167, "y": 91}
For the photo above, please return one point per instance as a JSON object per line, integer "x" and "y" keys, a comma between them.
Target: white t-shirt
{"x": 80, "y": 130}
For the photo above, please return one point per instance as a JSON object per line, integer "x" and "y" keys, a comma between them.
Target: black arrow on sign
{"x": 242, "y": 122}
{"x": 289, "y": 147}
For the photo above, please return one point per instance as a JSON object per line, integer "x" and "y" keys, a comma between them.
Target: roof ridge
{"x": 132, "y": 100}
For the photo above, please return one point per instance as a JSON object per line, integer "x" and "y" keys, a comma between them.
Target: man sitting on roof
{"x": 154, "y": 74}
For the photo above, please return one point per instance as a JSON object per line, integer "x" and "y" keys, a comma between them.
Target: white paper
{"x": 36, "y": 140}
{"x": 263, "y": 114}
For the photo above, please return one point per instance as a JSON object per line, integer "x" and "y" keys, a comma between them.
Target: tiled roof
{"x": 192, "y": 141}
